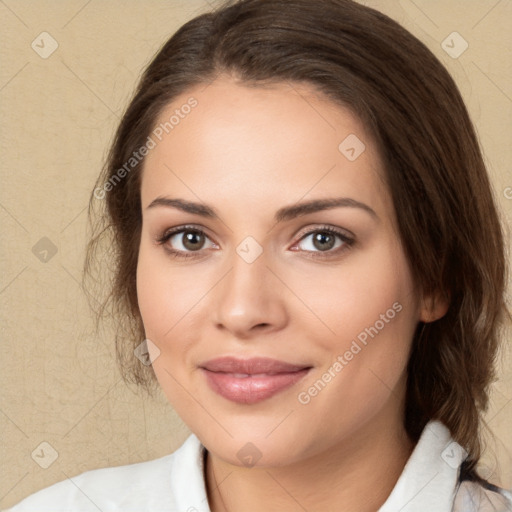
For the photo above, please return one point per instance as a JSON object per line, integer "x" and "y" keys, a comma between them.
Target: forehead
{"x": 245, "y": 144}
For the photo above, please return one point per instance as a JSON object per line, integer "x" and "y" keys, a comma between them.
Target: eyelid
{"x": 168, "y": 233}
{"x": 325, "y": 227}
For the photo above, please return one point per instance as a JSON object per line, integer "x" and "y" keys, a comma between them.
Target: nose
{"x": 249, "y": 300}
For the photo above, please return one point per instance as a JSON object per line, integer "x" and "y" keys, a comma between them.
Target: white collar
{"x": 428, "y": 481}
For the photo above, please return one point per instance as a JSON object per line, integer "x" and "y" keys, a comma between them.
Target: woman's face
{"x": 263, "y": 279}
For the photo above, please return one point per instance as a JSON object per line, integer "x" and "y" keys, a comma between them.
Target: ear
{"x": 433, "y": 307}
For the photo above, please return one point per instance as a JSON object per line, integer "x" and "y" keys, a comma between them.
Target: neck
{"x": 358, "y": 473}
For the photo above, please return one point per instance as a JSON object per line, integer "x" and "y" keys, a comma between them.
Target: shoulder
{"x": 138, "y": 487}
{"x": 476, "y": 497}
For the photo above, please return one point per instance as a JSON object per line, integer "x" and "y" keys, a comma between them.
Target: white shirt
{"x": 175, "y": 483}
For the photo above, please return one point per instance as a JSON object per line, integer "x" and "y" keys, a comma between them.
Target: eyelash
{"x": 348, "y": 241}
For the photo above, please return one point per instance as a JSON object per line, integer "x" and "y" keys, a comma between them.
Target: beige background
{"x": 60, "y": 383}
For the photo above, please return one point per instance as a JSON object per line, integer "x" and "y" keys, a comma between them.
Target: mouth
{"x": 248, "y": 381}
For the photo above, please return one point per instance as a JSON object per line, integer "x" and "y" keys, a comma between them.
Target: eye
{"x": 189, "y": 242}
{"x": 325, "y": 241}
{"x": 183, "y": 241}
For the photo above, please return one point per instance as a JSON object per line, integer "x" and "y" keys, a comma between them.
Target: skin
{"x": 247, "y": 152}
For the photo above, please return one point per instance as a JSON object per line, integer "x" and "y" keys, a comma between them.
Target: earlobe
{"x": 434, "y": 307}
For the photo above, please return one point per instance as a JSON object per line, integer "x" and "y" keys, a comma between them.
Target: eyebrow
{"x": 283, "y": 214}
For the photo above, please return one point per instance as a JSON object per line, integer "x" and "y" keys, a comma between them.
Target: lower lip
{"x": 250, "y": 390}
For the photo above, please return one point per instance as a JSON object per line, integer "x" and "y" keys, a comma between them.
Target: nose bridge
{"x": 247, "y": 281}
{"x": 249, "y": 293}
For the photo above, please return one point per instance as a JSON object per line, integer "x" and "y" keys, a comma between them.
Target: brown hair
{"x": 446, "y": 214}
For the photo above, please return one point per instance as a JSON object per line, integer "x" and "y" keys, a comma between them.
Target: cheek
{"x": 166, "y": 294}
{"x": 151, "y": 295}
{"x": 371, "y": 291}
{"x": 163, "y": 302}
{"x": 371, "y": 307}
{"x": 171, "y": 299}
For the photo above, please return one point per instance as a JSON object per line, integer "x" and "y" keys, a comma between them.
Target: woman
{"x": 330, "y": 339}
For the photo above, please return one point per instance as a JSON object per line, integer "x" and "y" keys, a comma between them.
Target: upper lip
{"x": 255, "y": 365}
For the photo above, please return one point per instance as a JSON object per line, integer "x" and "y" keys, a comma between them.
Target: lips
{"x": 248, "y": 381}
